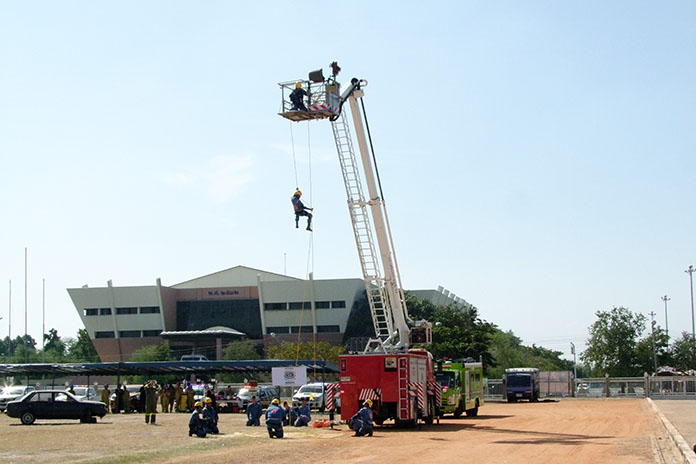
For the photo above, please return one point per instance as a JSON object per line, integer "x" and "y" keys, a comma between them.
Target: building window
{"x": 274, "y": 306}
{"x": 305, "y": 329}
{"x": 338, "y": 304}
{"x": 104, "y": 335}
{"x": 151, "y": 333}
{"x": 300, "y": 305}
{"x": 105, "y": 311}
{"x": 323, "y": 304}
{"x": 277, "y": 330}
{"x": 126, "y": 310}
{"x": 328, "y": 329}
{"x": 91, "y": 311}
{"x": 129, "y": 334}
{"x": 149, "y": 310}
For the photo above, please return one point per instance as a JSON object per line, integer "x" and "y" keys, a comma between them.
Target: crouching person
{"x": 210, "y": 418}
{"x": 274, "y": 419}
{"x": 361, "y": 422}
{"x": 254, "y": 411}
{"x": 196, "y": 423}
{"x": 304, "y": 416}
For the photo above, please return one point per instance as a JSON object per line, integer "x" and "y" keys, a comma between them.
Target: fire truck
{"x": 398, "y": 378}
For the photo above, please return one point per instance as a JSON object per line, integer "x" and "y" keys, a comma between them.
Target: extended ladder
{"x": 362, "y": 229}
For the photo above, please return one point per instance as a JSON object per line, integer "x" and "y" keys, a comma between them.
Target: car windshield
{"x": 446, "y": 379}
{"x": 80, "y": 391}
{"x": 13, "y": 390}
{"x": 519, "y": 380}
{"x": 310, "y": 389}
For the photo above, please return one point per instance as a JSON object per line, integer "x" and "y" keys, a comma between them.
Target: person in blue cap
{"x": 304, "y": 416}
{"x": 254, "y": 411}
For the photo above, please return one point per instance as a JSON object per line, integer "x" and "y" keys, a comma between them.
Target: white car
{"x": 264, "y": 395}
{"x": 13, "y": 393}
{"x": 313, "y": 393}
{"x": 85, "y": 394}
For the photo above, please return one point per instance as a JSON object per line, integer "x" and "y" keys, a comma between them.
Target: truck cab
{"x": 521, "y": 383}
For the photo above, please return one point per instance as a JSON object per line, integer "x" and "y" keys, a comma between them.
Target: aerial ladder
{"x": 399, "y": 381}
{"x": 394, "y": 330}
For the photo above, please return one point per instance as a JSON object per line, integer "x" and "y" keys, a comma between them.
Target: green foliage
{"x": 150, "y": 353}
{"x": 508, "y": 351}
{"x": 458, "y": 332}
{"x": 611, "y": 348}
{"x": 81, "y": 349}
{"x": 684, "y": 352}
{"x": 305, "y": 350}
{"x": 242, "y": 349}
{"x": 645, "y": 360}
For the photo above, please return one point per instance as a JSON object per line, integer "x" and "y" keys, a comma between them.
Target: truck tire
{"x": 473, "y": 412}
{"x": 27, "y": 418}
{"x": 431, "y": 410}
{"x": 458, "y": 411}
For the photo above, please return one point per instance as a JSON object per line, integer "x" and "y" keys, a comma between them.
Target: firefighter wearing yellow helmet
{"x": 196, "y": 422}
{"x": 210, "y": 417}
{"x": 301, "y": 210}
{"x": 362, "y": 422}
{"x": 297, "y": 98}
{"x": 274, "y": 419}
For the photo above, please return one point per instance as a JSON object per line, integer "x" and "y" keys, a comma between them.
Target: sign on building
{"x": 289, "y": 376}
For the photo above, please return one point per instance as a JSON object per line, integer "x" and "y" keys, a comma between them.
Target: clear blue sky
{"x": 537, "y": 158}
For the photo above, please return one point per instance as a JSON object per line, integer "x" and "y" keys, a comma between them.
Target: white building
{"x": 207, "y": 312}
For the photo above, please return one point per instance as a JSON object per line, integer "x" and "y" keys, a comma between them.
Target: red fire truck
{"x": 399, "y": 380}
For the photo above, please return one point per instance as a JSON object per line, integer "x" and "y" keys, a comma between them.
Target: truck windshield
{"x": 519, "y": 380}
{"x": 446, "y": 379}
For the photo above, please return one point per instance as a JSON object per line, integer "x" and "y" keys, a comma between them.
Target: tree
{"x": 611, "y": 348}
{"x": 54, "y": 348}
{"x": 81, "y": 349}
{"x": 684, "y": 352}
{"x": 242, "y": 349}
{"x": 646, "y": 354}
{"x": 305, "y": 350}
{"x": 508, "y": 351}
{"x": 150, "y": 353}
{"x": 460, "y": 333}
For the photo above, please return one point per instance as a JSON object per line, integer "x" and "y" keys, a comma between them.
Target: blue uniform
{"x": 210, "y": 419}
{"x": 362, "y": 422}
{"x": 304, "y": 416}
{"x": 297, "y": 97}
{"x": 254, "y": 411}
{"x": 274, "y": 421}
{"x": 301, "y": 210}
{"x": 196, "y": 424}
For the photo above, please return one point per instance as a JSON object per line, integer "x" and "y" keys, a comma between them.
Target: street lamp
{"x": 690, "y": 271}
{"x": 575, "y": 366}
{"x": 666, "y": 299}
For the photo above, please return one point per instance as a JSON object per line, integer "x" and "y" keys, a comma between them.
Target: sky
{"x": 537, "y": 158}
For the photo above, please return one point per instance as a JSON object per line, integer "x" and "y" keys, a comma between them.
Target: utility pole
{"x": 690, "y": 271}
{"x": 575, "y": 366}
{"x": 652, "y": 325}
{"x": 666, "y": 299}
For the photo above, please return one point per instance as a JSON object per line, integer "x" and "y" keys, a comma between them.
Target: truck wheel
{"x": 27, "y": 418}
{"x": 474, "y": 411}
{"x": 431, "y": 409}
{"x": 458, "y": 411}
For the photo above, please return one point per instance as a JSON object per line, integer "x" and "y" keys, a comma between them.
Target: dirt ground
{"x": 569, "y": 431}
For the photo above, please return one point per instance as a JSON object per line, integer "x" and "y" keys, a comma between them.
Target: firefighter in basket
{"x": 361, "y": 422}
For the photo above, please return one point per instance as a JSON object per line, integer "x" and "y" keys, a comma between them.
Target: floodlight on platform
{"x": 317, "y": 76}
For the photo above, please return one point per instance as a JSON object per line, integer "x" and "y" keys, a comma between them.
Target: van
{"x": 193, "y": 357}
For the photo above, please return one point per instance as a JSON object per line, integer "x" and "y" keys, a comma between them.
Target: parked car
{"x": 52, "y": 404}
{"x": 193, "y": 357}
{"x": 313, "y": 393}
{"x": 12, "y": 393}
{"x": 85, "y": 393}
{"x": 264, "y": 395}
{"x": 133, "y": 393}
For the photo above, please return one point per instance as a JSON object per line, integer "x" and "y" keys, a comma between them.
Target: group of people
{"x": 204, "y": 419}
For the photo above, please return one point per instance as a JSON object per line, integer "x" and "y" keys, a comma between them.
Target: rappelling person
{"x": 301, "y": 210}
{"x": 297, "y": 98}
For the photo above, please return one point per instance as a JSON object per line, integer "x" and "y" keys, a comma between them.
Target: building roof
{"x": 237, "y": 276}
{"x": 217, "y": 331}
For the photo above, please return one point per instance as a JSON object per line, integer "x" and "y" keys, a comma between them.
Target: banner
{"x": 289, "y": 376}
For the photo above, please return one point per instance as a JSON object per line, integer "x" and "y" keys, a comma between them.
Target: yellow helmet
{"x": 208, "y": 400}
{"x": 298, "y": 85}
{"x": 298, "y": 193}
{"x": 197, "y": 404}
{"x": 368, "y": 403}
{"x": 275, "y": 401}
